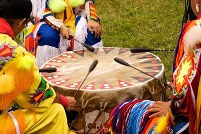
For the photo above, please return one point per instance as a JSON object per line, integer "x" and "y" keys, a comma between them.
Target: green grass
{"x": 142, "y": 23}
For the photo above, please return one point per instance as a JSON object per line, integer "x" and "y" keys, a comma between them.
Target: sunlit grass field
{"x": 154, "y": 24}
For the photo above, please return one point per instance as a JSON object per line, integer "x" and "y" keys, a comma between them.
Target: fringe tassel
{"x": 162, "y": 124}
{"x": 76, "y": 3}
{"x": 24, "y": 71}
{"x": 64, "y": 44}
{"x": 192, "y": 38}
{"x": 23, "y": 81}
{"x": 57, "y": 6}
{"x": 20, "y": 70}
{"x": 45, "y": 53}
{"x": 38, "y": 8}
{"x": 6, "y": 83}
{"x": 6, "y": 100}
{"x": 80, "y": 34}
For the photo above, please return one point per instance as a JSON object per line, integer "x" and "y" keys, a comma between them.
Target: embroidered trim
{"x": 52, "y": 25}
{"x": 42, "y": 93}
{"x": 91, "y": 12}
{"x": 183, "y": 128}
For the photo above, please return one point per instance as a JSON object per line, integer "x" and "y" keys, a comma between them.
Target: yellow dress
{"x": 21, "y": 82}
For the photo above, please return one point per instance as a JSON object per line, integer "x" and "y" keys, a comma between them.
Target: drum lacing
{"x": 97, "y": 117}
{"x": 83, "y": 107}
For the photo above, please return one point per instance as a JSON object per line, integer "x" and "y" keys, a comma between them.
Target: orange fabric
{"x": 8, "y": 125}
{"x": 152, "y": 122}
{"x": 181, "y": 49}
{"x": 31, "y": 44}
{"x": 38, "y": 97}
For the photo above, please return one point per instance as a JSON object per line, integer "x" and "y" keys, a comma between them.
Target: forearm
{"x": 51, "y": 20}
{"x": 61, "y": 99}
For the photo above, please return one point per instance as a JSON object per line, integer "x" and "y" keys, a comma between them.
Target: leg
{"x": 52, "y": 121}
{"x": 50, "y": 44}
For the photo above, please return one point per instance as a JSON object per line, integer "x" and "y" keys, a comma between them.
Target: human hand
{"x": 159, "y": 108}
{"x": 71, "y": 103}
{"x": 94, "y": 27}
{"x": 170, "y": 84}
{"x": 65, "y": 32}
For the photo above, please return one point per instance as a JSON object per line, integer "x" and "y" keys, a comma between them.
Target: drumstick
{"x": 48, "y": 70}
{"x": 138, "y": 50}
{"x": 121, "y": 61}
{"x": 93, "y": 65}
{"x": 90, "y": 48}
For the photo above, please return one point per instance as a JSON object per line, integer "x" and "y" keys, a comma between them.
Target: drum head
{"x": 108, "y": 77}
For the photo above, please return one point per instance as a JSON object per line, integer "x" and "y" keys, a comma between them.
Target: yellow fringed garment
{"x": 19, "y": 73}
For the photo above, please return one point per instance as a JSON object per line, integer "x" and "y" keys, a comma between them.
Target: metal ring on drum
{"x": 110, "y": 82}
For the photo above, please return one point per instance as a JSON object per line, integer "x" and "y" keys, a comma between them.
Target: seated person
{"x": 88, "y": 28}
{"x": 48, "y": 37}
{"x": 82, "y": 13}
{"x": 182, "y": 113}
{"x": 21, "y": 81}
{"x": 51, "y": 35}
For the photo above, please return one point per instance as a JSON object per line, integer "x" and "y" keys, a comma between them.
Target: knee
{"x": 48, "y": 36}
{"x": 58, "y": 107}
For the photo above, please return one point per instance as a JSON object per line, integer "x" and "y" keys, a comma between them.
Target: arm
{"x": 160, "y": 108}
{"x": 93, "y": 19}
{"x": 67, "y": 102}
{"x": 57, "y": 24}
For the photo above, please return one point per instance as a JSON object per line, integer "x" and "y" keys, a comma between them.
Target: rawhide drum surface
{"x": 110, "y": 82}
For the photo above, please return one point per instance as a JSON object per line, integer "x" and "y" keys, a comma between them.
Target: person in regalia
{"x": 182, "y": 113}
{"x": 42, "y": 110}
{"x": 60, "y": 26}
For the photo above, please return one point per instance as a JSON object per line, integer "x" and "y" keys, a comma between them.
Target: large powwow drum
{"x": 108, "y": 84}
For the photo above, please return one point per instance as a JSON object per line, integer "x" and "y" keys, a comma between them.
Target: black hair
{"x": 5, "y": 6}
{"x": 15, "y": 9}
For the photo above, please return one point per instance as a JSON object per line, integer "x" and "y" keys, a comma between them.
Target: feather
{"x": 26, "y": 62}
{"x": 192, "y": 38}
{"x": 162, "y": 124}
{"x": 48, "y": 93}
{"x": 76, "y": 3}
{"x": 57, "y": 6}
{"x": 7, "y": 83}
